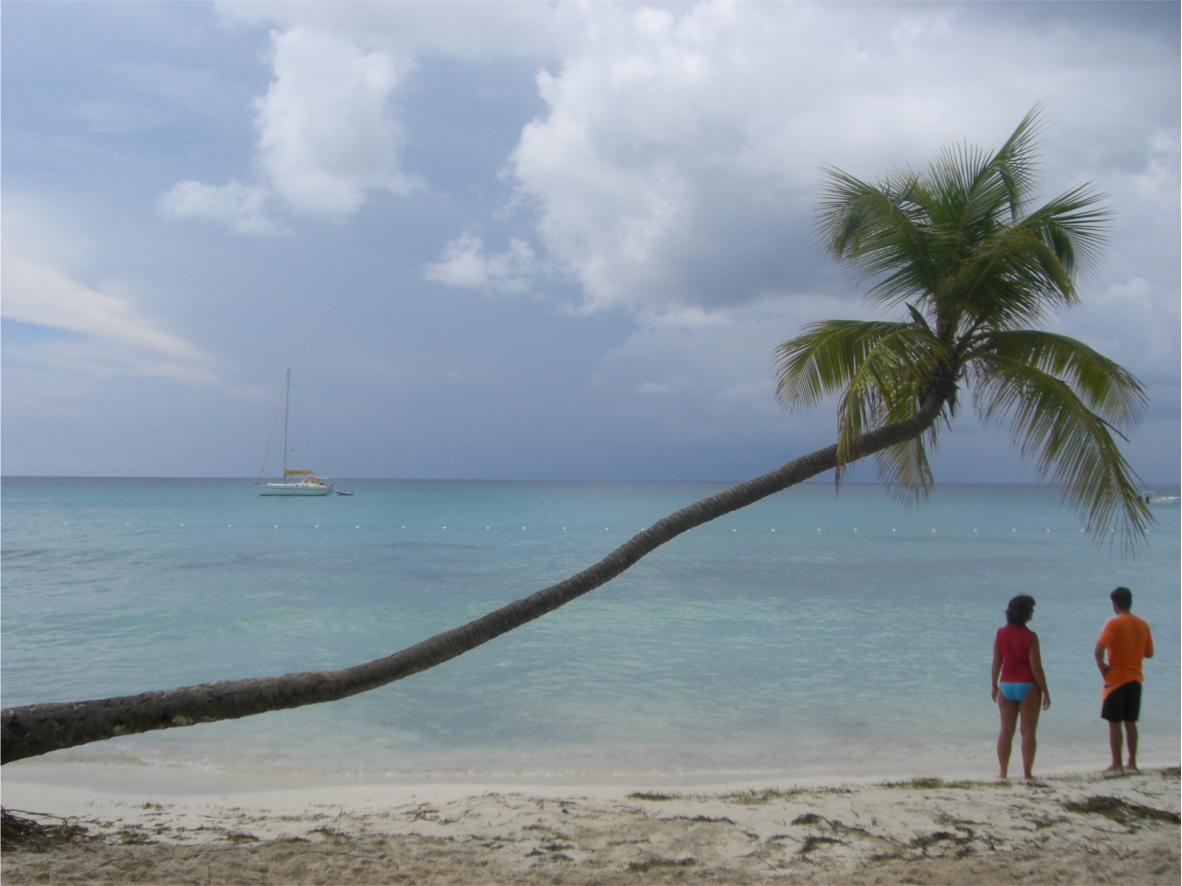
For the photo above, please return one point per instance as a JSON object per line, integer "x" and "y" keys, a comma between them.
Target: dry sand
{"x": 1068, "y": 829}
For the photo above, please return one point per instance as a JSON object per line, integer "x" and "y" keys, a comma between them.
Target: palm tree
{"x": 958, "y": 247}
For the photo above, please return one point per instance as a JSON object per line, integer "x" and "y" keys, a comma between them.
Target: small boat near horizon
{"x": 308, "y": 483}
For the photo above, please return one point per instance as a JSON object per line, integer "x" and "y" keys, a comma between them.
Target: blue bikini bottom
{"x": 1015, "y": 691}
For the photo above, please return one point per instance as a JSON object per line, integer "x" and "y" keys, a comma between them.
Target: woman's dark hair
{"x": 1020, "y": 610}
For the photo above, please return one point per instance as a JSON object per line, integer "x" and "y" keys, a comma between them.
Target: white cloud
{"x": 114, "y": 336}
{"x": 120, "y": 338}
{"x": 464, "y": 263}
{"x": 678, "y": 159}
{"x": 242, "y": 208}
{"x": 677, "y": 163}
{"x": 1158, "y": 181}
{"x": 326, "y": 133}
{"x": 327, "y": 138}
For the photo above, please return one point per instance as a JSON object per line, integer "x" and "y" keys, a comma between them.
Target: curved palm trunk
{"x": 37, "y": 729}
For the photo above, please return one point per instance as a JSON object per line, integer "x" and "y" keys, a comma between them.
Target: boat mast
{"x": 286, "y": 403}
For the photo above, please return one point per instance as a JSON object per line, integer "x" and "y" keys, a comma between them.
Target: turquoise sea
{"x": 816, "y": 632}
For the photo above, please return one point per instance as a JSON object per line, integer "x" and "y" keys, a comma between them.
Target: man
{"x": 1127, "y": 641}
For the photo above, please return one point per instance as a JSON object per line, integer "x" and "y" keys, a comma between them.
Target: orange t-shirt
{"x": 1128, "y": 641}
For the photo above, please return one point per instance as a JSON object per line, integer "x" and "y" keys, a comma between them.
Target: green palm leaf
{"x": 1104, "y": 387}
{"x": 905, "y": 465}
{"x": 881, "y": 370}
{"x": 1069, "y": 442}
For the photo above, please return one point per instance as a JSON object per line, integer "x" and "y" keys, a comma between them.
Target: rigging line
{"x": 274, "y": 421}
{"x": 303, "y": 436}
{"x": 286, "y": 410}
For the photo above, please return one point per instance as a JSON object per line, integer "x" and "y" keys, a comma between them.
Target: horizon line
{"x": 253, "y": 481}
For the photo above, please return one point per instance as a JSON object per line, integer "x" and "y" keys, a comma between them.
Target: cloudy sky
{"x": 521, "y": 240}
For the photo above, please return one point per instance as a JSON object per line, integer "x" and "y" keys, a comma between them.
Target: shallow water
{"x": 810, "y": 632}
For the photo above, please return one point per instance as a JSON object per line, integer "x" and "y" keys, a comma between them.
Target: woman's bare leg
{"x": 1005, "y": 739}
{"x": 1030, "y": 707}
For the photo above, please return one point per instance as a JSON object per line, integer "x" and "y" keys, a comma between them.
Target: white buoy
{"x": 276, "y": 525}
{"x": 564, "y": 529}
{"x": 855, "y": 529}
{"x": 317, "y": 526}
{"x": 356, "y": 527}
{"x": 773, "y": 530}
{"x": 403, "y": 527}
{"x": 974, "y": 530}
{"x": 734, "y": 530}
{"x": 933, "y": 530}
{"x": 445, "y": 527}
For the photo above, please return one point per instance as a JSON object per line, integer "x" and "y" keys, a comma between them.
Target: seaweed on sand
{"x": 1120, "y": 810}
{"x": 18, "y": 832}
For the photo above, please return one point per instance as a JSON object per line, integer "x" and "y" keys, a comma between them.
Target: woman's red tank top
{"x": 1014, "y": 643}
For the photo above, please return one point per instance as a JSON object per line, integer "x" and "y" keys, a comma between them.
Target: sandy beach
{"x": 1064, "y": 829}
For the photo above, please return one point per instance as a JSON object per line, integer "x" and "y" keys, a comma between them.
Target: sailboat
{"x": 307, "y": 483}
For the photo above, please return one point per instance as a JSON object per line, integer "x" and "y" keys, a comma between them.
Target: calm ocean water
{"x": 811, "y": 632}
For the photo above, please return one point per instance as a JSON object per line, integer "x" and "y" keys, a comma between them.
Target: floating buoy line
{"x": 858, "y": 530}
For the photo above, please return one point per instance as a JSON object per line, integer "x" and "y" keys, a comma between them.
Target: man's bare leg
{"x": 1005, "y": 738}
{"x": 1131, "y": 731}
{"x": 1116, "y": 742}
{"x": 1030, "y": 708}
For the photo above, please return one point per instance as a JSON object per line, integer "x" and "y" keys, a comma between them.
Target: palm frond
{"x": 979, "y": 192}
{"x": 1074, "y": 225}
{"x": 1013, "y": 277}
{"x": 1016, "y": 162}
{"x": 891, "y": 378}
{"x": 905, "y": 466}
{"x": 1104, "y": 386}
{"x": 1070, "y": 444}
{"x": 828, "y": 356}
{"x": 880, "y": 369}
{"x": 879, "y": 229}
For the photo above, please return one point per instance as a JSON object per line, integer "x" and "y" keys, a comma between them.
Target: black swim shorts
{"x": 1123, "y": 703}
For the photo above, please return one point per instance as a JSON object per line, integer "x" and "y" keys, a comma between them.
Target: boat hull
{"x": 299, "y": 489}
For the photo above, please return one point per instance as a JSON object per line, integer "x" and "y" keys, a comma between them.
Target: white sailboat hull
{"x": 295, "y": 489}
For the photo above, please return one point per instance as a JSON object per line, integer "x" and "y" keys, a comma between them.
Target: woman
{"x": 1019, "y": 684}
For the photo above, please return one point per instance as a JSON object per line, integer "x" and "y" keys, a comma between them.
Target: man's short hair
{"x": 1123, "y": 598}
